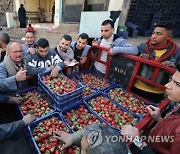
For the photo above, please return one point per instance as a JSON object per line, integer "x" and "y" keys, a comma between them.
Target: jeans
{"x": 97, "y": 72}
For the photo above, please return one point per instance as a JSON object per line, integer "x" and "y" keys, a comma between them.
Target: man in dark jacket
{"x": 22, "y": 16}
{"x": 12, "y": 138}
{"x": 12, "y": 130}
{"x": 45, "y": 58}
{"x": 4, "y": 40}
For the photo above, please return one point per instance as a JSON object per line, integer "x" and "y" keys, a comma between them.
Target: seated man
{"x": 64, "y": 50}
{"x": 112, "y": 41}
{"x": 29, "y": 45}
{"x": 4, "y": 40}
{"x": 30, "y": 28}
{"x": 81, "y": 48}
{"x": 159, "y": 48}
{"x": 165, "y": 136}
{"x": 14, "y": 70}
{"x": 45, "y": 58}
{"x": 95, "y": 139}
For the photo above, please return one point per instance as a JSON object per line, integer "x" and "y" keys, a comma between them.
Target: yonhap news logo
{"x": 94, "y": 138}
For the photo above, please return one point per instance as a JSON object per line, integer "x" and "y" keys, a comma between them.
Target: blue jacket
{"x": 25, "y": 47}
{"x": 10, "y": 130}
{"x": 85, "y": 51}
{"x": 9, "y": 83}
{"x": 3, "y": 99}
{"x": 121, "y": 45}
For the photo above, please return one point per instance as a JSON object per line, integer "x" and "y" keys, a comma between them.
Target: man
{"x": 159, "y": 48}
{"x": 95, "y": 139}
{"x": 53, "y": 12}
{"x": 45, "y": 58}
{"x": 13, "y": 129}
{"x": 29, "y": 45}
{"x": 81, "y": 48}
{"x": 4, "y": 40}
{"x": 64, "y": 50}
{"x": 30, "y": 28}
{"x": 112, "y": 41}
{"x": 167, "y": 127}
{"x": 14, "y": 70}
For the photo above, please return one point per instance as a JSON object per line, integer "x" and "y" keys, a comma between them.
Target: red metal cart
{"x": 146, "y": 122}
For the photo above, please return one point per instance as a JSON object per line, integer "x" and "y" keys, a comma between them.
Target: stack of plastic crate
{"x": 62, "y": 100}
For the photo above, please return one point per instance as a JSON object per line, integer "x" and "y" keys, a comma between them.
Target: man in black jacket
{"x": 14, "y": 129}
{"x": 4, "y": 40}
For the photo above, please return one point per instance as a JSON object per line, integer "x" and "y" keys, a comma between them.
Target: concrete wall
{"x": 124, "y": 13}
{"x": 115, "y": 5}
{"x": 73, "y": 2}
{"x": 97, "y": 1}
{"x": 57, "y": 17}
{"x": 50, "y": 4}
{"x": 31, "y": 5}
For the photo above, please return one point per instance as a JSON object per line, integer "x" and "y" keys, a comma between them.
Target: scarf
{"x": 170, "y": 46}
{"x": 13, "y": 68}
{"x": 66, "y": 56}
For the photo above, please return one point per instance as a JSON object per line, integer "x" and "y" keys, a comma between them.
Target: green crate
{"x": 122, "y": 28}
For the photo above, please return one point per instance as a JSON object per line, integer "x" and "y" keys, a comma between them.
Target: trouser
{"x": 52, "y": 20}
{"x": 97, "y": 72}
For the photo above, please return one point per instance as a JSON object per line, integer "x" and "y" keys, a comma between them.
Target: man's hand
{"x": 28, "y": 118}
{"x": 51, "y": 67}
{"x": 130, "y": 131}
{"x": 21, "y": 75}
{"x": 67, "y": 63}
{"x": 15, "y": 100}
{"x": 54, "y": 72}
{"x": 94, "y": 42}
{"x": 31, "y": 51}
{"x": 74, "y": 61}
{"x": 83, "y": 60}
{"x": 155, "y": 112}
{"x": 66, "y": 138}
{"x": 168, "y": 63}
{"x": 145, "y": 56}
{"x": 111, "y": 52}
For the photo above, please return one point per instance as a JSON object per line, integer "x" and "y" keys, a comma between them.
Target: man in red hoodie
{"x": 165, "y": 136}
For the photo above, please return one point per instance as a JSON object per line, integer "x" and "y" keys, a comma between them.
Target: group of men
{"x": 31, "y": 58}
